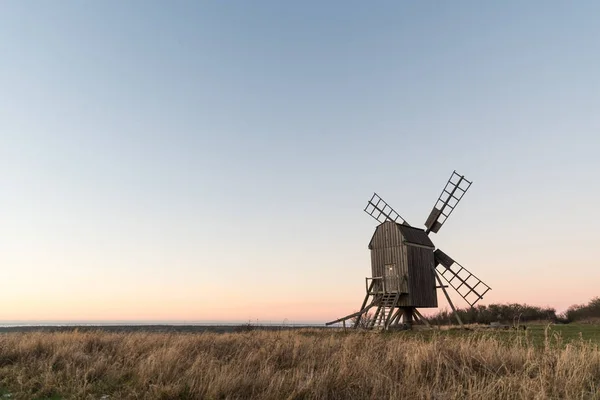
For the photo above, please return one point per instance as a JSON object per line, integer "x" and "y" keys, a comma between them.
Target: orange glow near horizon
{"x": 315, "y": 295}
{"x": 190, "y": 307}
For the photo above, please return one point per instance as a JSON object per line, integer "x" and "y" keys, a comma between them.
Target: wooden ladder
{"x": 386, "y": 305}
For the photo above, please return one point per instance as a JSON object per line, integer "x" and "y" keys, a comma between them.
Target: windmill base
{"x": 388, "y": 314}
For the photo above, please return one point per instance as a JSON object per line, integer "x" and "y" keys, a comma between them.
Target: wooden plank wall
{"x": 421, "y": 278}
{"x": 387, "y": 248}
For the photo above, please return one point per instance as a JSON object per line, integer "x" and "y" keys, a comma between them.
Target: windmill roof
{"x": 411, "y": 235}
{"x": 415, "y": 236}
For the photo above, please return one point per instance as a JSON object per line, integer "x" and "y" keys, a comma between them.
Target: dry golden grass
{"x": 294, "y": 365}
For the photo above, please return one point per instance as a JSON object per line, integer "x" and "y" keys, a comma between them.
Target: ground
{"x": 537, "y": 332}
{"x": 543, "y": 361}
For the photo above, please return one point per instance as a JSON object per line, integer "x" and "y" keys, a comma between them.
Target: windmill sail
{"x": 381, "y": 211}
{"x": 468, "y": 286}
{"x": 453, "y": 192}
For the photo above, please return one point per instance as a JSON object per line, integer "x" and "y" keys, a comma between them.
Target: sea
{"x": 255, "y": 323}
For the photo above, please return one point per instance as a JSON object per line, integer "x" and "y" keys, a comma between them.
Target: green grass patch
{"x": 536, "y": 334}
{"x": 566, "y": 332}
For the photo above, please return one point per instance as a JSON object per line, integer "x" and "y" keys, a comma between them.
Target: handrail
{"x": 402, "y": 281}
{"x": 374, "y": 279}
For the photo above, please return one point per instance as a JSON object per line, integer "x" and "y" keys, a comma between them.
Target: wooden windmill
{"x": 406, "y": 267}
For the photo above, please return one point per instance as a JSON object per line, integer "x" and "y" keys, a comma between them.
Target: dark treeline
{"x": 517, "y": 313}
{"x": 581, "y": 312}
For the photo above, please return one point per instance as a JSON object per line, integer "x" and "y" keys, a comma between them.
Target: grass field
{"x": 539, "y": 363}
{"x": 567, "y": 333}
{"x": 536, "y": 334}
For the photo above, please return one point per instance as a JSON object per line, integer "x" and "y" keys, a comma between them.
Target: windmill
{"x": 406, "y": 267}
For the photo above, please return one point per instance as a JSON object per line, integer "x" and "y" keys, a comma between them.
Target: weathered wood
{"x": 404, "y": 264}
{"x": 422, "y": 318}
{"x": 381, "y": 316}
{"x": 408, "y": 314}
{"x": 387, "y": 258}
{"x": 376, "y": 316}
{"x": 382, "y": 211}
{"x": 389, "y": 317}
{"x": 432, "y": 218}
{"x": 415, "y": 236}
{"x": 347, "y": 317}
{"x": 417, "y": 245}
{"x": 458, "y": 277}
{"x": 364, "y": 303}
{"x": 443, "y": 258}
{"x": 363, "y": 310}
{"x": 396, "y": 319}
{"x": 438, "y": 217}
{"x": 421, "y": 280}
{"x": 448, "y": 298}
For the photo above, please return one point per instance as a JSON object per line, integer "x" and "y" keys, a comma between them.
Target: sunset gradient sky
{"x": 210, "y": 160}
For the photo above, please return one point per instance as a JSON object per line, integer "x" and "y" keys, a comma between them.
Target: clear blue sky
{"x": 210, "y": 160}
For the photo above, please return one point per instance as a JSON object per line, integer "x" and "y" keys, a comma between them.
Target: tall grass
{"x": 301, "y": 364}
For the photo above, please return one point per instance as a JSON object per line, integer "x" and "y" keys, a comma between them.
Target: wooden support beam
{"x": 394, "y": 316}
{"x": 382, "y": 316}
{"x": 362, "y": 307}
{"x": 408, "y": 314}
{"x": 358, "y": 313}
{"x": 448, "y": 298}
{"x": 376, "y": 316}
{"x": 422, "y": 318}
{"x": 396, "y": 319}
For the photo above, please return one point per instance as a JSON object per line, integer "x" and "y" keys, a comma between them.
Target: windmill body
{"x": 406, "y": 268}
{"x": 402, "y": 257}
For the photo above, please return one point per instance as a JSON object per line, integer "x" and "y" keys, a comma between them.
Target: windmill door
{"x": 392, "y": 278}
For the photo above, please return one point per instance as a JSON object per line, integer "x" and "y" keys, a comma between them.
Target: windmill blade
{"x": 381, "y": 211}
{"x": 468, "y": 286}
{"x": 454, "y": 190}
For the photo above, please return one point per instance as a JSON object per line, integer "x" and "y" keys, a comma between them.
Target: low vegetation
{"x": 301, "y": 364}
{"x": 486, "y": 314}
{"x": 514, "y": 313}
{"x": 586, "y": 312}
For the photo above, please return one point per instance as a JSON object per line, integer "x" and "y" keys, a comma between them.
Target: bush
{"x": 505, "y": 313}
{"x": 583, "y": 311}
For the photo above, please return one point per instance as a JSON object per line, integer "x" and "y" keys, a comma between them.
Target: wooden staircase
{"x": 387, "y": 304}
{"x": 388, "y": 312}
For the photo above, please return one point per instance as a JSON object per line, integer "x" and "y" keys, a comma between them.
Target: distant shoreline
{"x": 158, "y": 328}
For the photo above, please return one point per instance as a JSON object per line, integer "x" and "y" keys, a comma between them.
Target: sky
{"x": 210, "y": 161}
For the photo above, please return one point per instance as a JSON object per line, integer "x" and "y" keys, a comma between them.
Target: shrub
{"x": 583, "y": 311}
{"x": 506, "y": 313}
